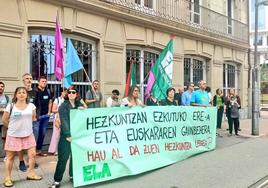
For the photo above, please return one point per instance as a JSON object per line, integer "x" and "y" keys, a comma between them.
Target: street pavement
{"x": 237, "y": 162}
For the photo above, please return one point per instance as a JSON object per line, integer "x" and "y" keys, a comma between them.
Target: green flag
{"x": 162, "y": 72}
{"x": 131, "y": 78}
{"x": 133, "y": 81}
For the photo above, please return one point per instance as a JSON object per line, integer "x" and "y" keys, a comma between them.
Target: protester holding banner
{"x": 113, "y": 101}
{"x": 178, "y": 96}
{"x": 187, "y": 95}
{"x": 200, "y": 97}
{"x": 64, "y": 147}
{"x": 133, "y": 98}
{"x": 231, "y": 108}
{"x": 152, "y": 101}
{"x": 169, "y": 100}
{"x": 18, "y": 117}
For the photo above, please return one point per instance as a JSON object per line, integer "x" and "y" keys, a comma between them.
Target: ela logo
{"x": 90, "y": 172}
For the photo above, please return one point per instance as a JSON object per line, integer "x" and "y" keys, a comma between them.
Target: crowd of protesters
{"x": 24, "y": 119}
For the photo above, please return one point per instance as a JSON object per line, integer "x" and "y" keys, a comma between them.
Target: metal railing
{"x": 42, "y": 52}
{"x": 195, "y": 17}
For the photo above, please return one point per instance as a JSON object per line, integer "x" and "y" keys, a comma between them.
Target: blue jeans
{"x": 40, "y": 129}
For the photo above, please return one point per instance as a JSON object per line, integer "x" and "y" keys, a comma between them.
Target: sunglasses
{"x": 71, "y": 92}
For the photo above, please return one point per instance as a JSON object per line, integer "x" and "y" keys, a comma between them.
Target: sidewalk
{"x": 236, "y": 162}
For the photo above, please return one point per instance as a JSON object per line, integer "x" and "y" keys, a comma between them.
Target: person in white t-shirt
{"x": 18, "y": 117}
{"x": 113, "y": 101}
{"x": 133, "y": 98}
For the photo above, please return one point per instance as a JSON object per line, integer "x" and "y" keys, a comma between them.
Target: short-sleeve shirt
{"x": 90, "y": 96}
{"x": 200, "y": 97}
{"x": 42, "y": 101}
{"x": 112, "y": 103}
{"x": 31, "y": 95}
{"x": 3, "y": 104}
{"x": 186, "y": 98}
{"x": 20, "y": 122}
{"x": 58, "y": 101}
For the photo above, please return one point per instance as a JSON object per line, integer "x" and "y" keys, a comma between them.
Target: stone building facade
{"x": 211, "y": 41}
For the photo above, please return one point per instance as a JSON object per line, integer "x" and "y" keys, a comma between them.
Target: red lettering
{"x": 97, "y": 155}
{"x": 134, "y": 150}
{"x": 174, "y": 146}
{"x": 151, "y": 149}
{"x": 116, "y": 154}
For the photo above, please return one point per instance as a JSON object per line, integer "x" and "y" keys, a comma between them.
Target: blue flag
{"x": 72, "y": 65}
{"x": 68, "y": 81}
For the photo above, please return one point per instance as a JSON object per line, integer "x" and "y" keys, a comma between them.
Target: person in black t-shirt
{"x": 43, "y": 103}
{"x": 178, "y": 96}
{"x": 169, "y": 101}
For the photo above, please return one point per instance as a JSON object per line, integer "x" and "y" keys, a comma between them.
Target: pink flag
{"x": 150, "y": 83}
{"x": 58, "y": 52}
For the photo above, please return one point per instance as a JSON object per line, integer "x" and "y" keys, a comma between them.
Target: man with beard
{"x": 200, "y": 97}
{"x": 94, "y": 96}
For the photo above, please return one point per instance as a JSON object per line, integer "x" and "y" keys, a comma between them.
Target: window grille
{"x": 42, "y": 56}
{"x": 194, "y": 70}
{"x": 230, "y": 77}
{"x": 143, "y": 60}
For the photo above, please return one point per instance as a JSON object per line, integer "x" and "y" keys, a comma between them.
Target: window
{"x": 143, "y": 59}
{"x": 194, "y": 70}
{"x": 42, "y": 61}
{"x": 259, "y": 41}
{"x": 195, "y": 11}
{"x": 230, "y": 74}
{"x": 230, "y": 16}
{"x": 145, "y": 3}
{"x": 261, "y": 16}
{"x": 145, "y": 6}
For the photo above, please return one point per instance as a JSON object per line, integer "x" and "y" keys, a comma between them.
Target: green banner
{"x": 109, "y": 143}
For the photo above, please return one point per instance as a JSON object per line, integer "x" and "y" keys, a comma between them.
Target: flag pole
{"x": 89, "y": 81}
{"x": 62, "y": 84}
{"x": 128, "y": 79}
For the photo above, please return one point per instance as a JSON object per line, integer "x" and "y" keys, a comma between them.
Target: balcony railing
{"x": 191, "y": 16}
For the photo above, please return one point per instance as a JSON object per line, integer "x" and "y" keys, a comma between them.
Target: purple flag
{"x": 150, "y": 83}
{"x": 58, "y": 52}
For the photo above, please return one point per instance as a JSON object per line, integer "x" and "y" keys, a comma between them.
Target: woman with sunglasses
{"x": 133, "y": 98}
{"x": 64, "y": 148}
{"x": 19, "y": 117}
